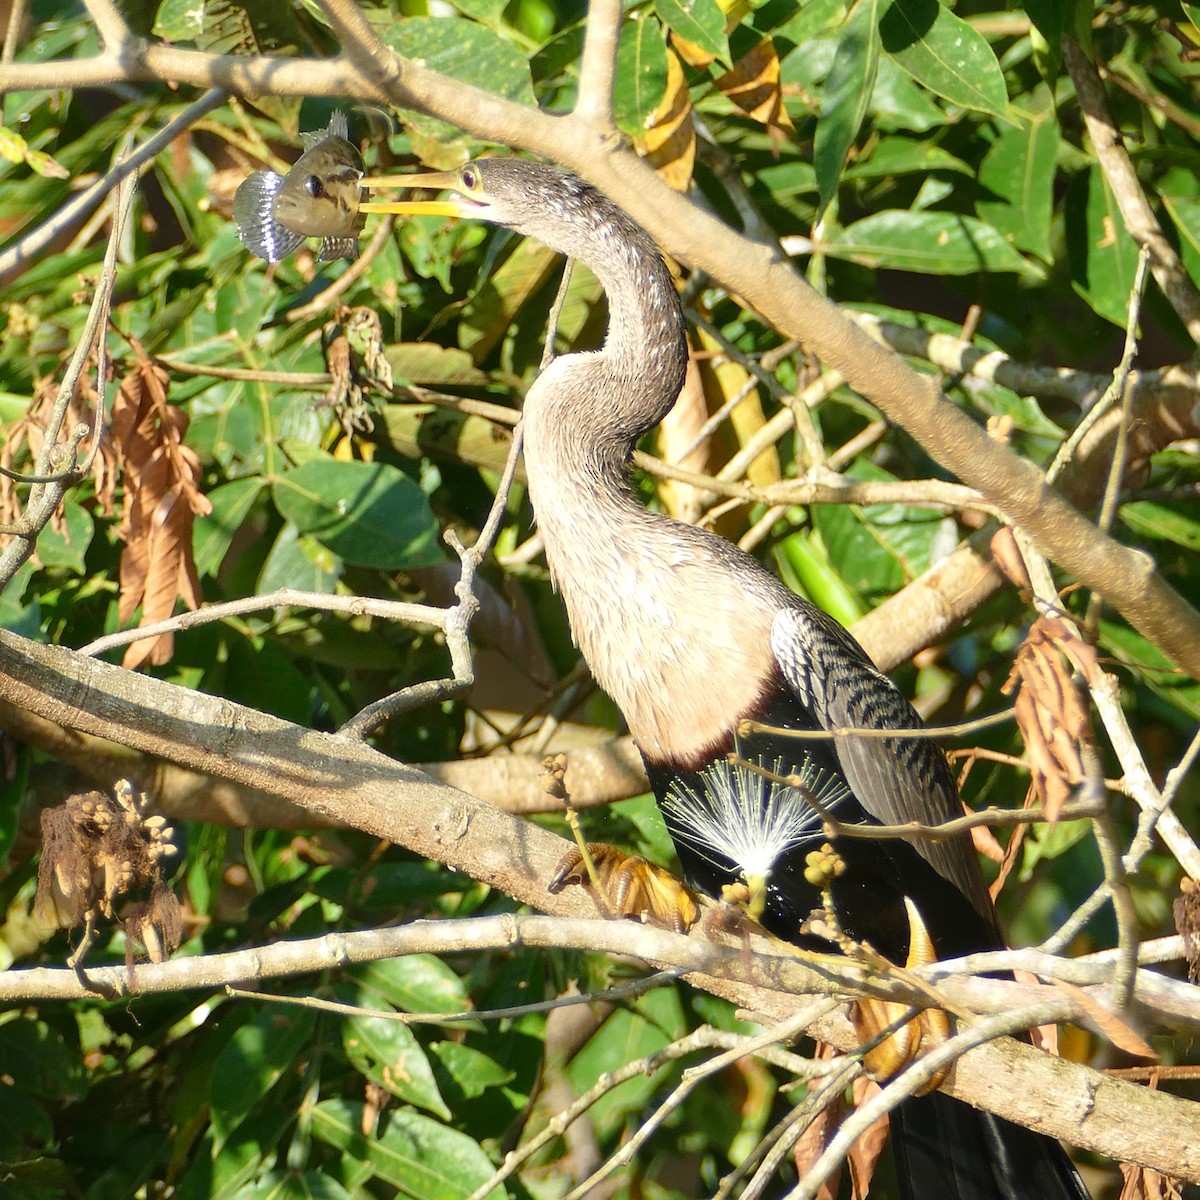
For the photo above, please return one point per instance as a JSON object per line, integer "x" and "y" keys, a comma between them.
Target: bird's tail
{"x": 947, "y": 1150}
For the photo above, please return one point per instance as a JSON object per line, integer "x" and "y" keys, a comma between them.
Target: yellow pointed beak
{"x": 428, "y": 180}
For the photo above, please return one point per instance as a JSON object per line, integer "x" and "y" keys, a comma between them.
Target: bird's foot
{"x": 628, "y": 886}
{"x": 902, "y": 1036}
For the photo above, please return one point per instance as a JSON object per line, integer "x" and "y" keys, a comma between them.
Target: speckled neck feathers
{"x": 657, "y": 608}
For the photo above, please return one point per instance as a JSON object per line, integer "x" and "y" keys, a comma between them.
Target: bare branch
{"x": 1143, "y": 226}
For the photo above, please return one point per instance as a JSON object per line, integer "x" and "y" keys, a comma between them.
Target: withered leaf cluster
{"x": 102, "y": 856}
{"x": 1050, "y": 712}
{"x": 864, "y": 1154}
{"x": 1186, "y": 910}
{"x": 162, "y": 499}
{"x": 356, "y": 364}
{"x": 23, "y": 442}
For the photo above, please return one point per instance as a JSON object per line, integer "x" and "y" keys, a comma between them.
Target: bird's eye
{"x": 470, "y": 178}
{"x": 314, "y": 187}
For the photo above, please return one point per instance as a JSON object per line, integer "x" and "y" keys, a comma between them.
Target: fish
{"x": 318, "y": 197}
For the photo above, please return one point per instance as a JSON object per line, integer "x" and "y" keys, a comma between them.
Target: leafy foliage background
{"x": 917, "y": 178}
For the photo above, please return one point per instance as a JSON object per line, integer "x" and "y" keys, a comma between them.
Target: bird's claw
{"x": 914, "y": 1037}
{"x": 629, "y": 886}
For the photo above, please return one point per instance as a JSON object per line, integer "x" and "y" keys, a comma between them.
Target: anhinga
{"x": 690, "y": 637}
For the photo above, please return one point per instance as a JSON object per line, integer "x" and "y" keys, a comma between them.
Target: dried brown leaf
{"x": 1141, "y": 1183}
{"x": 1119, "y": 1032}
{"x": 1186, "y": 910}
{"x": 865, "y": 1153}
{"x": 1050, "y": 711}
{"x": 1010, "y": 560}
{"x": 811, "y": 1143}
{"x": 162, "y": 498}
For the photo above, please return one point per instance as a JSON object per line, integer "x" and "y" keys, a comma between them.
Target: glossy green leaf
{"x": 388, "y": 1053}
{"x": 231, "y": 505}
{"x": 1179, "y": 524}
{"x": 806, "y": 568}
{"x": 698, "y": 21}
{"x": 423, "y": 1158}
{"x": 463, "y": 50}
{"x": 1016, "y": 181}
{"x": 898, "y": 103}
{"x": 936, "y": 243}
{"x": 904, "y": 156}
{"x": 369, "y": 514}
{"x": 298, "y": 1185}
{"x": 945, "y": 54}
{"x": 472, "y": 1070}
{"x": 1102, "y": 255}
{"x": 641, "y": 76}
{"x": 415, "y": 983}
{"x": 66, "y": 546}
{"x": 299, "y": 561}
{"x": 846, "y": 98}
{"x": 252, "y": 1062}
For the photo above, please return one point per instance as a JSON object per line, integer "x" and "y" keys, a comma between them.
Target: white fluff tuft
{"x": 747, "y": 818}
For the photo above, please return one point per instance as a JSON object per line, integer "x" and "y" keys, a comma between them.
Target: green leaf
{"x": 66, "y": 548}
{"x": 628, "y": 1034}
{"x": 488, "y": 11}
{"x": 641, "y": 79}
{"x": 369, "y": 514}
{"x": 904, "y": 156}
{"x": 299, "y": 561}
{"x": 898, "y": 103}
{"x": 416, "y": 983}
{"x": 1102, "y": 255}
{"x": 935, "y": 243}
{"x": 427, "y": 364}
{"x": 253, "y": 1060}
{"x": 463, "y": 50}
{"x": 806, "y": 568}
{"x": 388, "y": 1053}
{"x": 876, "y": 549}
{"x": 1184, "y": 212}
{"x": 1180, "y": 524}
{"x": 472, "y": 1070}
{"x": 945, "y": 54}
{"x": 420, "y": 1156}
{"x": 848, "y": 89}
{"x": 1018, "y": 171}
{"x": 231, "y": 505}
{"x": 297, "y": 1185}
{"x": 698, "y": 21}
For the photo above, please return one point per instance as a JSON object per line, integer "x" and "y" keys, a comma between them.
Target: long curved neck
{"x": 656, "y": 607}
{"x": 637, "y": 374}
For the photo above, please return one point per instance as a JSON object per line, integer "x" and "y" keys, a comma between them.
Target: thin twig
{"x": 456, "y": 622}
{"x": 44, "y": 498}
{"x": 354, "y": 606}
{"x": 1135, "y": 209}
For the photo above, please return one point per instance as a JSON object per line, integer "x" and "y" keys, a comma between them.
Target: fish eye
{"x": 314, "y": 187}
{"x": 470, "y": 178}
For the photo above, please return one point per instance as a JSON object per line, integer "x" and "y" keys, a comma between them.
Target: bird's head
{"x": 535, "y": 199}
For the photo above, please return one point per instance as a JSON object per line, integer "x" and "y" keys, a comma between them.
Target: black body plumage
{"x": 690, "y": 636}
{"x": 318, "y": 197}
